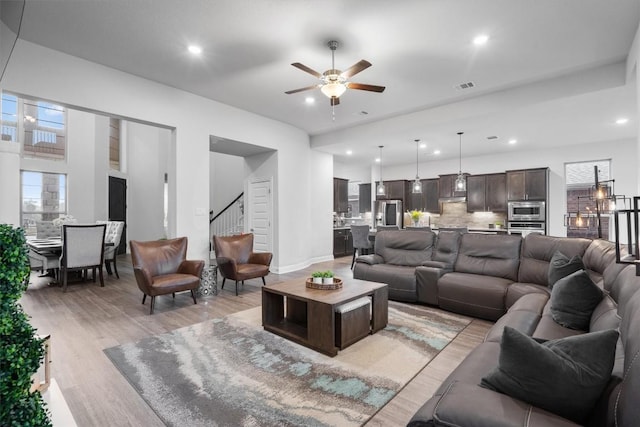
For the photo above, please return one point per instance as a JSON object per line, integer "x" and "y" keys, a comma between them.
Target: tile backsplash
{"x": 454, "y": 214}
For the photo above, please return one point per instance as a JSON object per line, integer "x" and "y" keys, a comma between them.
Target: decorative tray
{"x": 337, "y": 284}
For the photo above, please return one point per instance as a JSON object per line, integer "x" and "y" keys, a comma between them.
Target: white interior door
{"x": 260, "y": 215}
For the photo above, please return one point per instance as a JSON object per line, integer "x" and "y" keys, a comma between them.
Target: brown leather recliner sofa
{"x": 505, "y": 278}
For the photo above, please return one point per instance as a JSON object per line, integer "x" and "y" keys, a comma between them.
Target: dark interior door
{"x": 118, "y": 207}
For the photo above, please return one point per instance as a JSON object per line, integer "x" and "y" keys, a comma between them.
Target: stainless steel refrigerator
{"x": 388, "y": 212}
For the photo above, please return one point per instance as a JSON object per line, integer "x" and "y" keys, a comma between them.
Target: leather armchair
{"x": 161, "y": 268}
{"x": 237, "y": 261}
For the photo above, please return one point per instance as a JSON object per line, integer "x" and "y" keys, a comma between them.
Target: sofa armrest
{"x": 463, "y": 404}
{"x": 227, "y": 267}
{"x": 427, "y": 283}
{"x": 143, "y": 279}
{"x": 370, "y": 259}
{"x": 261, "y": 258}
{"x": 193, "y": 267}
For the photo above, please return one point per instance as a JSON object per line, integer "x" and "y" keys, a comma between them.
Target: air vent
{"x": 467, "y": 85}
{"x": 492, "y": 137}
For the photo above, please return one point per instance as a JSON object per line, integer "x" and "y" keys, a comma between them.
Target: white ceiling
{"x": 420, "y": 49}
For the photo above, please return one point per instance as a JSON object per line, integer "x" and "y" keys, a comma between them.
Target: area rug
{"x": 230, "y": 372}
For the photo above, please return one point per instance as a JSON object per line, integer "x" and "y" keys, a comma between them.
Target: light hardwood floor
{"x": 87, "y": 319}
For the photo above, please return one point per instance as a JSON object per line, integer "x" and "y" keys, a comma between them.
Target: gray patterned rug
{"x": 230, "y": 372}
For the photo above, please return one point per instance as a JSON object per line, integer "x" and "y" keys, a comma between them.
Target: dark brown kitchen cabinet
{"x": 364, "y": 202}
{"x": 342, "y": 242}
{"x": 340, "y": 195}
{"x": 426, "y": 201}
{"x": 394, "y": 190}
{"x": 447, "y": 187}
{"x": 527, "y": 184}
{"x": 486, "y": 193}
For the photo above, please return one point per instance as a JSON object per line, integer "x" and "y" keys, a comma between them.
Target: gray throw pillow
{"x": 573, "y": 299}
{"x": 564, "y": 376}
{"x": 561, "y": 266}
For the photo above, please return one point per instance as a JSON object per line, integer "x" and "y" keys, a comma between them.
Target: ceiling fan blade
{"x": 334, "y": 100}
{"x": 356, "y": 68}
{"x": 362, "y": 86}
{"x": 302, "y": 89}
{"x": 307, "y": 69}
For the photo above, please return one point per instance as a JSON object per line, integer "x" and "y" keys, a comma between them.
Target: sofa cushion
{"x": 518, "y": 290}
{"x": 407, "y": 248}
{"x": 401, "y": 279}
{"x": 599, "y": 254}
{"x": 447, "y": 247}
{"x": 564, "y": 376}
{"x": 537, "y": 251}
{"x": 561, "y": 266}
{"x": 489, "y": 255}
{"x": 573, "y": 299}
{"x": 473, "y": 294}
{"x": 524, "y": 315}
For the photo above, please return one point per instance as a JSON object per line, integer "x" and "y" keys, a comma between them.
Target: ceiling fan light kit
{"x": 333, "y": 82}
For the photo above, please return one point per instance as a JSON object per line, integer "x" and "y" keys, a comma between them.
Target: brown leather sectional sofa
{"x": 505, "y": 278}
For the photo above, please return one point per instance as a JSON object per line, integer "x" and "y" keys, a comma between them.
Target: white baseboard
{"x": 301, "y": 265}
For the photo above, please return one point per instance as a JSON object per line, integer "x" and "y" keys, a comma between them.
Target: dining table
{"x": 51, "y": 244}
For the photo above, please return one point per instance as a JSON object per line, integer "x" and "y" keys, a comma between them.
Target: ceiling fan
{"x": 333, "y": 83}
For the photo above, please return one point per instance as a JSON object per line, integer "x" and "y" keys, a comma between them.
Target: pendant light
{"x": 381, "y": 191}
{"x": 417, "y": 184}
{"x": 461, "y": 183}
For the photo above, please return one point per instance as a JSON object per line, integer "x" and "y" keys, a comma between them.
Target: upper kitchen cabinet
{"x": 527, "y": 184}
{"x": 447, "y": 187}
{"x": 394, "y": 190}
{"x": 487, "y": 193}
{"x": 340, "y": 195}
{"x": 364, "y": 202}
{"x": 426, "y": 201}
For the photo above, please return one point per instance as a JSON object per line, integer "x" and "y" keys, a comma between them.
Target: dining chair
{"x": 112, "y": 237}
{"x": 82, "y": 249}
{"x": 237, "y": 261}
{"x": 361, "y": 242}
{"x": 44, "y": 261}
{"x": 46, "y": 229}
{"x": 161, "y": 268}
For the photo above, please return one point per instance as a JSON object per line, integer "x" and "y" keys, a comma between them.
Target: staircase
{"x": 230, "y": 220}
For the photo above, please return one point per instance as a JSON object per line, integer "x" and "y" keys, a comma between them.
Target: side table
{"x": 208, "y": 281}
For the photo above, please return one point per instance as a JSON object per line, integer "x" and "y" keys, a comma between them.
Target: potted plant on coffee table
{"x": 327, "y": 277}
{"x": 316, "y": 276}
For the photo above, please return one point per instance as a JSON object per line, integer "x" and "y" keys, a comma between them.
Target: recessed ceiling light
{"x": 423, "y": 145}
{"x": 513, "y": 141}
{"x": 363, "y": 113}
{"x": 349, "y": 152}
{"x": 377, "y": 159}
{"x": 436, "y": 152}
{"x": 310, "y": 100}
{"x": 622, "y": 121}
{"x": 196, "y": 50}
{"x": 481, "y": 39}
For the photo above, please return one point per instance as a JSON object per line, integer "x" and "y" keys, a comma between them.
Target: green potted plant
{"x": 21, "y": 351}
{"x": 327, "y": 277}
{"x": 316, "y": 276}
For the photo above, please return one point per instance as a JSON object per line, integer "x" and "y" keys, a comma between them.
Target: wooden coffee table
{"x": 307, "y": 316}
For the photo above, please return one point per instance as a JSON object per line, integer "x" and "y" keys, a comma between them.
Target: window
{"x": 580, "y": 185}
{"x": 9, "y": 119}
{"x": 44, "y": 198}
{"x": 114, "y": 144}
{"x": 44, "y": 130}
{"x": 38, "y": 125}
